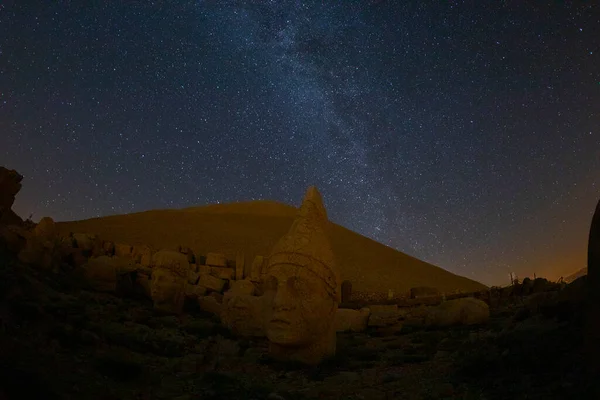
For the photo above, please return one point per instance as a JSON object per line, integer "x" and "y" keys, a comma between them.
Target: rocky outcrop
{"x": 10, "y": 184}
{"x": 592, "y": 328}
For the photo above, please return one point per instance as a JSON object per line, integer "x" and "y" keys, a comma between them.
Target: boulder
{"x": 347, "y": 320}
{"x": 216, "y": 260}
{"x": 463, "y": 311}
{"x": 383, "y": 315}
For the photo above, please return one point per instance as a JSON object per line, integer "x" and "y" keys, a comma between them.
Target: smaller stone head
{"x": 169, "y": 276}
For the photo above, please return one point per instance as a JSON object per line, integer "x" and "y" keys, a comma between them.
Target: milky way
{"x": 465, "y": 135}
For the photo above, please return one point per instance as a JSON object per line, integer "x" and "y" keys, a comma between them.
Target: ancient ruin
{"x": 302, "y": 288}
{"x": 94, "y": 294}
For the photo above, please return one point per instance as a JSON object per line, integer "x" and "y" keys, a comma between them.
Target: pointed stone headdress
{"x": 307, "y": 244}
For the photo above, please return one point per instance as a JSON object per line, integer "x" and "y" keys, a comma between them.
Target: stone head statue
{"x": 169, "y": 276}
{"x": 301, "y": 288}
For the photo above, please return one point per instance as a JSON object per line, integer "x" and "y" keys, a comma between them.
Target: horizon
{"x": 489, "y": 284}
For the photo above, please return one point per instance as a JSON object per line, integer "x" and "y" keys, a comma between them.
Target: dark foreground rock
{"x": 61, "y": 341}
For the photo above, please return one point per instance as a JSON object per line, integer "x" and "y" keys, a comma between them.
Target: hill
{"x": 254, "y": 228}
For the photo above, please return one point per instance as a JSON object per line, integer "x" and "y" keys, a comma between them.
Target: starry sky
{"x": 466, "y": 134}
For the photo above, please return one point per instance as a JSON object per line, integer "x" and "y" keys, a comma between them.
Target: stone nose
{"x": 284, "y": 299}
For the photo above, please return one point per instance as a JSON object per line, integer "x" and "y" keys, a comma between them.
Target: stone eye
{"x": 271, "y": 283}
{"x": 297, "y": 283}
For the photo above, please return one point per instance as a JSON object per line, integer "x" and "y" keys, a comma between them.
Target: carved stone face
{"x": 299, "y": 310}
{"x": 167, "y": 290}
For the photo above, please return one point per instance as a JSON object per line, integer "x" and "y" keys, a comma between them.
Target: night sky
{"x": 464, "y": 134}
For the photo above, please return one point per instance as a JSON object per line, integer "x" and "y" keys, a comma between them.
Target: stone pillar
{"x": 239, "y": 266}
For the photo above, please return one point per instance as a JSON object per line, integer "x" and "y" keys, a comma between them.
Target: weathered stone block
{"x": 383, "y": 315}
{"x": 210, "y": 305}
{"x": 222, "y": 273}
{"x": 195, "y": 291}
{"x": 211, "y": 282}
{"x": 123, "y": 250}
{"x": 193, "y": 277}
{"x": 351, "y": 320}
{"x": 216, "y": 260}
